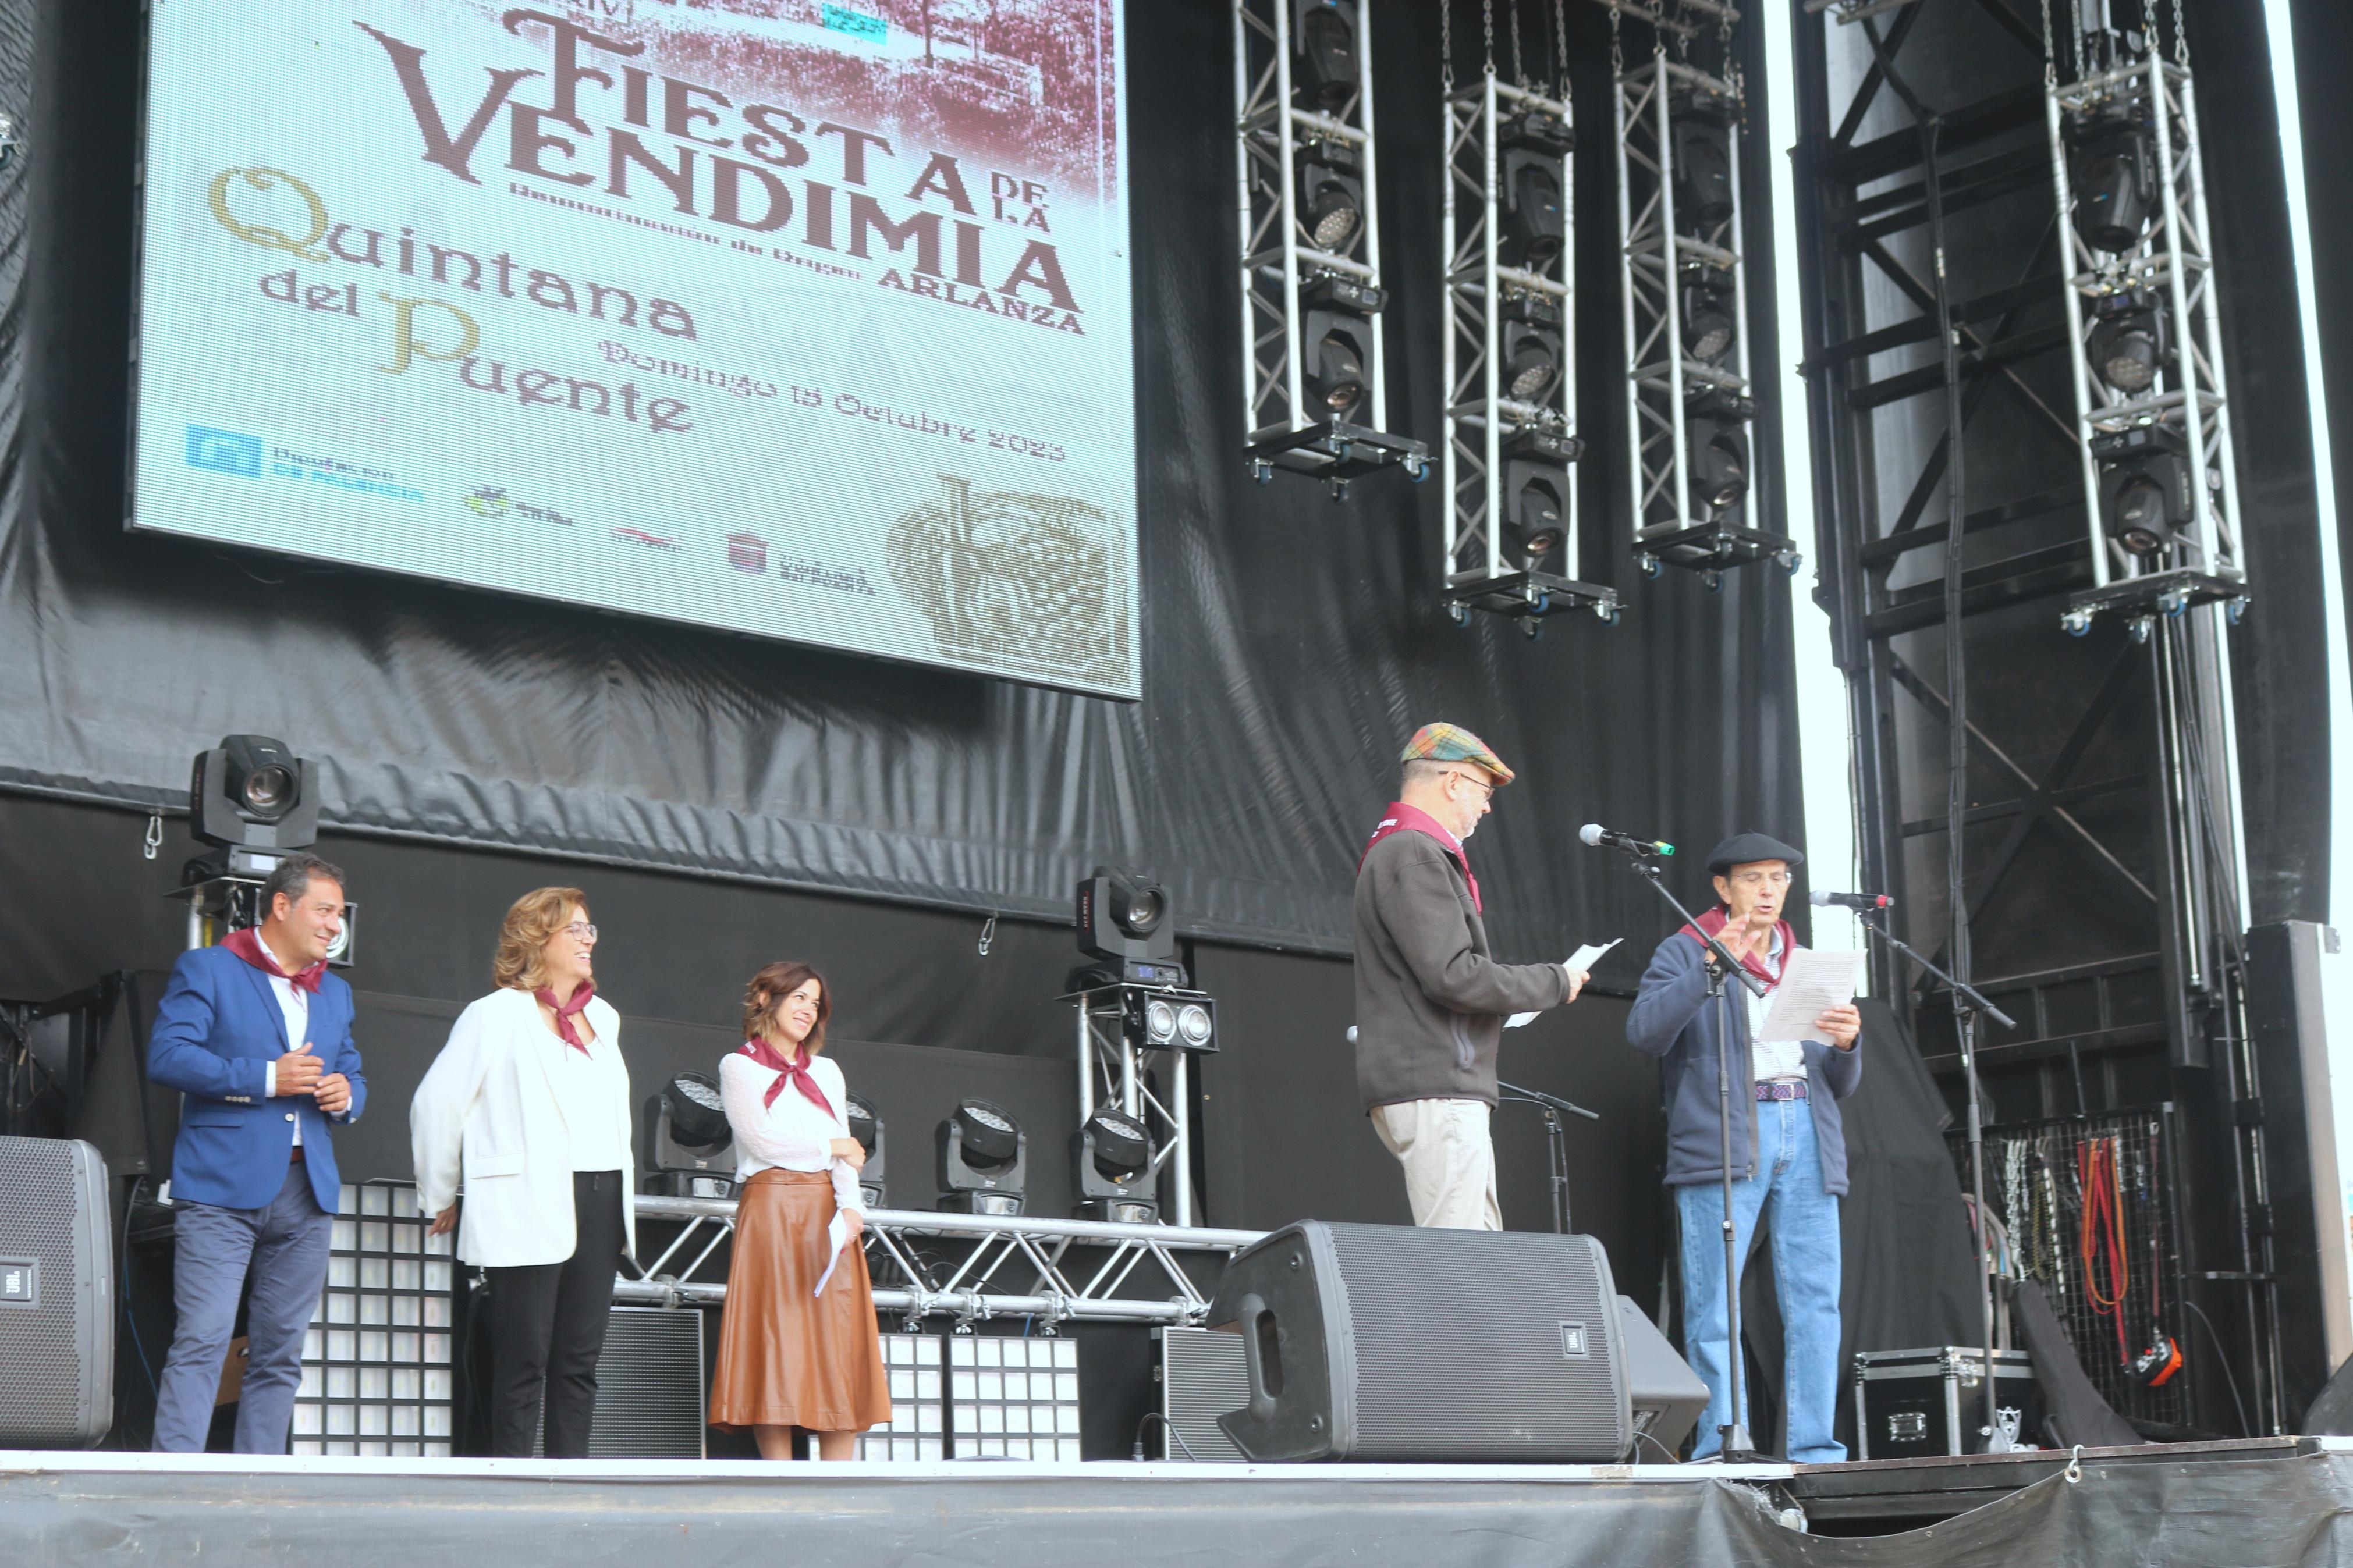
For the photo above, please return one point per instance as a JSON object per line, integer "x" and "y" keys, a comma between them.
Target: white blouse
{"x": 792, "y": 1134}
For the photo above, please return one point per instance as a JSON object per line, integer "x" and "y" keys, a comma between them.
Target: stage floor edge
{"x": 2229, "y": 1505}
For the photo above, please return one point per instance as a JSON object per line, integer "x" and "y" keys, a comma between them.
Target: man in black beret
{"x": 1788, "y": 1153}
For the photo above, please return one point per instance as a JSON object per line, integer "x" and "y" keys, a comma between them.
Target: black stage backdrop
{"x": 1289, "y": 643}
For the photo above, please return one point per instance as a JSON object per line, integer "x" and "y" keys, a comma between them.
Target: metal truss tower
{"x": 1684, "y": 286}
{"x": 2018, "y": 423}
{"x": 1315, "y": 394}
{"x": 1514, "y": 546}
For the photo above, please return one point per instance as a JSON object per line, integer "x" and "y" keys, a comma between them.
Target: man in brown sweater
{"x": 1431, "y": 1002}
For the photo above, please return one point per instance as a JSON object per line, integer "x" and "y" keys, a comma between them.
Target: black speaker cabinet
{"x": 57, "y": 1295}
{"x": 1387, "y": 1343}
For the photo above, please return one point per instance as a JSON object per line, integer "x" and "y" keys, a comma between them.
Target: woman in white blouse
{"x": 528, "y": 1106}
{"x": 791, "y": 1355}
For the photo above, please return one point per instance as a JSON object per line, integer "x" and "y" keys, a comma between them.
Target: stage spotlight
{"x": 866, "y": 1126}
{"x": 688, "y": 1140}
{"x": 1531, "y": 224}
{"x": 1110, "y": 1166}
{"x": 1719, "y": 462}
{"x": 1331, "y": 194}
{"x": 2128, "y": 346}
{"x": 1194, "y": 1025}
{"x": 1125, "y": 920}
{"x": 1531, "y": 353}
{"x": 2112, "y": 165}
{"x": 1710, "y": 320}
{"x": 1167, "y": 1020}
{"x": 984, "y": 1159}
{"x": 1335, "y": 347}
{"x": 2145, "y": 501}
{"x": 1324, "y": 53}
{"x": 1536, "y": 510}
{"x": 253, "y": 792}
{"x": 1701, "y": 139}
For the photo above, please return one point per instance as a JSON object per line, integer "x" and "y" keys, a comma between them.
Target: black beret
{"x": 1743, "y": 847}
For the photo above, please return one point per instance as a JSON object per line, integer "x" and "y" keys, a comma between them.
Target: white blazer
{"x": 486, "y": 1120}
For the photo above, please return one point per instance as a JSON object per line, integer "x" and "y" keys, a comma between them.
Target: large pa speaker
{"x": 1387, "y": 1343}
{"x": 57, "y": 1295}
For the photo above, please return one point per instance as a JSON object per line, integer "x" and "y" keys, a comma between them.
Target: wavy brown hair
{"x": 772, "y": 985}
{"x": 521, "y": 964}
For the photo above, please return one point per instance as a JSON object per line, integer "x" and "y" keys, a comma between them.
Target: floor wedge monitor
{"x": 57, "y": 1297}
{"x": 1386, "y": 1343}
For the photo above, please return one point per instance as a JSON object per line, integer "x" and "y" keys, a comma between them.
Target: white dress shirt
{"x": 295, "y": 1008}
{"x": 582, "y": 1085}
{"x": 792, "y": 1134}
{"x": 1771, "y": 1060}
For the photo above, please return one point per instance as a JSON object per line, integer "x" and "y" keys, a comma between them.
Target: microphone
{"x": 1852, "y": 901}
{"x": 1596, "y": 835}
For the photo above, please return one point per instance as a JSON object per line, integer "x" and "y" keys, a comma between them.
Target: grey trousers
{"x": 286, "y": 1244}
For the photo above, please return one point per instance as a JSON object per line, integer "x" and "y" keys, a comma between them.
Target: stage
{"x": 2230, "y": 1505}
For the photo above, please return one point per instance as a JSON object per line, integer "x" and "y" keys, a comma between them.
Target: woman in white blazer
{"x": 527, "y": 1109}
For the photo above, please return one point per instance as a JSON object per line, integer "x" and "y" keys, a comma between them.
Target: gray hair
{"x": 293, "y": 878}
{"x": 1426, "y": 771}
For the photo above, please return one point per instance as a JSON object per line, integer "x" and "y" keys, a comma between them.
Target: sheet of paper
{"x": 836, "y": 1236}
{"x": 1814, "y": 982}
{"x": 1581, "y": 958}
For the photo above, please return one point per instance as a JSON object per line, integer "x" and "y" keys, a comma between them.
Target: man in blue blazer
{"x": 257, "y": 1036}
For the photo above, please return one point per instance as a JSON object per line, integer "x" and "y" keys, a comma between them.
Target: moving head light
{"x": 1125, "y": 920}
{"x": 251, "y": 792}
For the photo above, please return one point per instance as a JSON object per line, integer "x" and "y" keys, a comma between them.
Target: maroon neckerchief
{"x": 246, "y": 945}
{"x": 1712, "y": 923}
{"x": 795, "y": 1067}
{"x": 581, "y": 994}
{"x": 1403, "y": 819}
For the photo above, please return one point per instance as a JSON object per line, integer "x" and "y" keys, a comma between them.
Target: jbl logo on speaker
{"x": 20, "y": 1282}
{"x": 1572, "y": 1340}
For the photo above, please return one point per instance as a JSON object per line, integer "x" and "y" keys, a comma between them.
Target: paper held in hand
{"x": 836, "y": 1236}
{"x": 1583, "y": 958}
{"x": 1811, "y": 985}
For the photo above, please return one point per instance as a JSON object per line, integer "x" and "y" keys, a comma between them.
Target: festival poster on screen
{"x": 787, "y": 317}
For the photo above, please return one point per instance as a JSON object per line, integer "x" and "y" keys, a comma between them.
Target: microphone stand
{"x": 1735, "y": 1444}
{"x": 1557, "y": 1140}
{"x": 1967, "y": 1003}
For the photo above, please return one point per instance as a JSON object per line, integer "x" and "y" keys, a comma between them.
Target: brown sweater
{"x": 1431, "y": 1003}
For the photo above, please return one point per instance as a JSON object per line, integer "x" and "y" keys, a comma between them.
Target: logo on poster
{"x": 489, "y": 501}
{"x": 224, "y": 452}
{"x": 747, "y": 553}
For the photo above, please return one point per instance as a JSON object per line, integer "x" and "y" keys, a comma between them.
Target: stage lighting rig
{"x": 1684, "y": 286}
{"x": 1313, "y": 392}
{"x": 1111, "y": 1160}
{"x": 866, "y": 1126}
{"x": 984, "y": 1159}
{"x": 255, "y": 801}
{"x": 688, "y": 1144}
{"x": 1507, "y": 362}
{"x": 2144, "y": 327}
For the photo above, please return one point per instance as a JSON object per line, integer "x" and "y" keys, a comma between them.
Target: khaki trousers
{"x": 1449, "y": 1160}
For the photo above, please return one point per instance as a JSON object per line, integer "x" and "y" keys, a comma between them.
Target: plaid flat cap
{"x": 1453, "y": 743}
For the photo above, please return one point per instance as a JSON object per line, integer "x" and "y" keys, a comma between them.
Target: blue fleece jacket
{"x": 1672, "y": 1019}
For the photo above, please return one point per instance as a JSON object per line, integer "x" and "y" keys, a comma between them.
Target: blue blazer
{"x": 218, "y": 1026}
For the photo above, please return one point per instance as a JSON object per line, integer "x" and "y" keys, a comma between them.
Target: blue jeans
{"x": 286, "y": 1243}
{"x": 1805, "y": 1279}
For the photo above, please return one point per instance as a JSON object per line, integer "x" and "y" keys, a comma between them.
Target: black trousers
{"x": 547, "y": 1327}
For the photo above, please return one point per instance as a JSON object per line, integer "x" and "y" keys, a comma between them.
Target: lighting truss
{"x": 1285, "y": 274}
{"x": 1110, "y": 1072}
{"x": 1686, "y": 416}
{"x": 1495, "y": 439}
{"x": 997, "y": 1265}
{"x": 2170, "y": 267}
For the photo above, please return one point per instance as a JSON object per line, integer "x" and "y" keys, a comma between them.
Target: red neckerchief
{"x": 1403, "y": 819}
{"x": 1712, "y": 923}
{"x": 246, "y": 945}
{"x": 581, "y": 994}
{"x": 795, "y": 1067}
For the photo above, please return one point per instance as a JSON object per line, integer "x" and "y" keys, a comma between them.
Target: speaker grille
{"x": 51, "y": 1350}
{"x": 1202, "y": 1377}
{"x": 1459, "y": 1343}
{"x": 650, "y": 1387}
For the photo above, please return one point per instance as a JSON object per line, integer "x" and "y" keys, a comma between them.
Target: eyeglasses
{"x": 1486, "y": 786}
{"x": 1759, "y": 879}
{"x": 581, "y": 931}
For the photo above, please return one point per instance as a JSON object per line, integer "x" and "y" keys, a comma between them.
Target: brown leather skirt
{"x": 789, "y": 1357}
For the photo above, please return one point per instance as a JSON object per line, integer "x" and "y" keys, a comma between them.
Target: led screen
{"x": 788, "y": 318}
